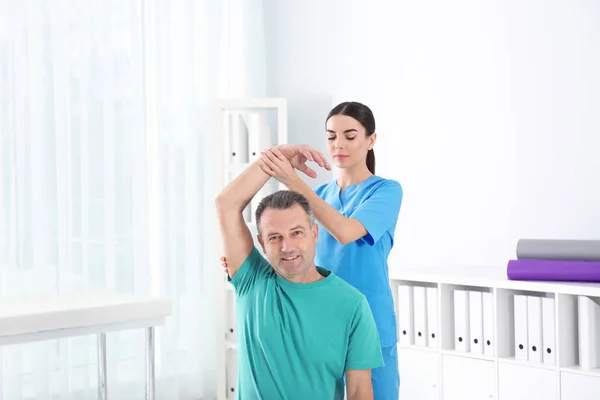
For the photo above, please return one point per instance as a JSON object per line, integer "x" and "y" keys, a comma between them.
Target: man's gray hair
{"x": 282, "y": 200}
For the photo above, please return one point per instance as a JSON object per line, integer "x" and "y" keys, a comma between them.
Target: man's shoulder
{"x": 346, "y": 291}
{"x": 254, "y": 266}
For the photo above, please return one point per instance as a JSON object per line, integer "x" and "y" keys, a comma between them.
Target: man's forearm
{"x": 239, "y": 192}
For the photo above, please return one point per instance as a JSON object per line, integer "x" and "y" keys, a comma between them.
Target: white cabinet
{"x": 472, "y": 303}
{"x": 520, "y": 382}
{"x": 468, "y": 378}
{"x": 579, "y": 387}
{"x": 419, "y": 371}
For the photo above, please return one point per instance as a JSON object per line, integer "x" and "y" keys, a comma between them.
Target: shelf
{"x": 420, "y": 348}
{"x": 578, "y": 370}
{"x": 514, "y": 361}
{"x": 231, "y": 345}
{"x": 544, "y": 337}
{"x": 457, "y": 353}
{"x": 490, "y": 276}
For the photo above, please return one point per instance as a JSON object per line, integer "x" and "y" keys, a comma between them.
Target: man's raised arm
{"x": 231, "y": 202}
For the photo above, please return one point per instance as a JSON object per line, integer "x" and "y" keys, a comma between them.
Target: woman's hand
{"x": 224, "y": 264}
{"x": 299, "y": 154}
{"x": 278, "y": 166}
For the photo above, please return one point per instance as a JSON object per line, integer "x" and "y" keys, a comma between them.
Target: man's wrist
{"x": 297, "y": 185}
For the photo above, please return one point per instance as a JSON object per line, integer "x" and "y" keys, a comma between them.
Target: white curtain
{"x": 105, "y": 132}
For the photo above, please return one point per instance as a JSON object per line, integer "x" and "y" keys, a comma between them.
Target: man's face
{"x": 288, "y": 241}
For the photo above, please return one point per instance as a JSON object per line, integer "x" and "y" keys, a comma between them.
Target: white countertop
{"x": 488, "y": 276}
{"x": 30, "y": 318}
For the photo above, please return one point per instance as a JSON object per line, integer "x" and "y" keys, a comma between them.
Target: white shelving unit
{"x": 244, "y": 128}
{"x": 483, "y": 336}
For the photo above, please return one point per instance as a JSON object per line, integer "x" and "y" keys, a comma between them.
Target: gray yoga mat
{"x": 558, "y": 249}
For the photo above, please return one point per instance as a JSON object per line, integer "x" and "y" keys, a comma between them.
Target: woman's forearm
{"x": 344, "y": 230}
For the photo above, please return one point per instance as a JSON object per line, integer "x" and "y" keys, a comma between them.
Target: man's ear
{"x": 262, "y": 243}
{"x": 315, "y": 232}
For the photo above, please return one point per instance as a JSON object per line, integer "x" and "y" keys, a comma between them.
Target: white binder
{"x": 232, "y": 373}
{"x": 548, "y": 331}
{"x": 420, "y": 307}
{"x": 588, "y": 333}
{"x": 259, "y": 140}
{"x": 231, "y": 334}
{"x": 432, "y": 317}
{"x": 235, "y": 126}
{"x": 461, "y": 320}
{"x": 534, "y": 328}
{"x": 488, "y": 324}
{"x": 476, "y": 321}
{"x": 259, "y": 134}
{"x": 405, "y": 314}
{"x": 520, "y": 313}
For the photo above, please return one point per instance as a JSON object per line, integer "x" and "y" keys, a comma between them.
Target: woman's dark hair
{"x": 362, "y": 114}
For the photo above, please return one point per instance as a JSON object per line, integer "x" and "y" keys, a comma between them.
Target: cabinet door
{"x": 468, "y": 378}
{"x": 579, "y": 387}
{"x": 519, "y": 382}
{"x": 418, "y": 374}
{"x": 232, "y": 372}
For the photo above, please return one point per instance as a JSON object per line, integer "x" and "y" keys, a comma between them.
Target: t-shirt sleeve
{"x": 379, "y": 212}
{"x": 364, "y": 349}
{"x": 254, "y": 269}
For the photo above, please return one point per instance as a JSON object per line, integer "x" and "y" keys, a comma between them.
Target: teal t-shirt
{"x": 296, "y": 340}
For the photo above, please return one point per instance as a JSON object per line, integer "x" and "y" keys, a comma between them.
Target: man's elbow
{"x": 222, "y": 204}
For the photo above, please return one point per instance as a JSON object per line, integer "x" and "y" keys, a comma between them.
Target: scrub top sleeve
{"x": 379, "y": 212}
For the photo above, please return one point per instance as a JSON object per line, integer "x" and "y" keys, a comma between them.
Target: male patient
{"x": 300, "y": 327}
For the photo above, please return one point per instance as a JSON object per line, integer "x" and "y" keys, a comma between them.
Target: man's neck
{"x": 312, "y": 275}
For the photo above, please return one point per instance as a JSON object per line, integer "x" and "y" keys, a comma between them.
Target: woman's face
{"x": 347, "y": 141}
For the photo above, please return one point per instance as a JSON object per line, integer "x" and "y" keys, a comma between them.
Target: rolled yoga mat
{"x": 554, "y": 270}
{"x": 558, "y": 249}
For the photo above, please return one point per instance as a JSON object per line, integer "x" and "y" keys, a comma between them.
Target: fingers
{"x": 308, "y": 154}
{"x": 278, "y": 154}
{"x": 266, "y": 169}
{"x": 317, "y": 157}
{"x": 324, "y": 161}
{"x": 269, "y": 158}
{"x": 308, "y": 171}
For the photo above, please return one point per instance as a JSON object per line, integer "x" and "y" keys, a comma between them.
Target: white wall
{"x": 488, "y": 113}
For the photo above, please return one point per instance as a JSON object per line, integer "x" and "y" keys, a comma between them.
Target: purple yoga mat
{"x": 554, "y": 270}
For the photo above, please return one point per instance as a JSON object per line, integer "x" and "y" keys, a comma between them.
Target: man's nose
{"x": 286, "y": 245}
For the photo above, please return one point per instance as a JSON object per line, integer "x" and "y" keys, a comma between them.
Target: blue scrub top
{"x": 375, "y": 203}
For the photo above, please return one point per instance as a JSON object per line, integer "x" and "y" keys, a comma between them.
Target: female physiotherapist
{"x": 357, "y": 214}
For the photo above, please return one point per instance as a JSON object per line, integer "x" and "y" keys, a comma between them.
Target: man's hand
{"x": 276, "y": 165}
{"x": 299, "y": 154}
